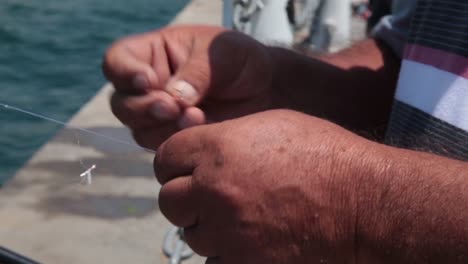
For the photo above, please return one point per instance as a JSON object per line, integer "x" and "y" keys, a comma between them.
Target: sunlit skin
{"x": 252, "y": 182}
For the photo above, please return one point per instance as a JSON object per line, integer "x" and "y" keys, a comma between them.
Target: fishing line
{"x": 17, "y": 109}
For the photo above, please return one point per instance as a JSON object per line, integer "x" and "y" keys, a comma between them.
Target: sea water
{"x": 50, "y": 57}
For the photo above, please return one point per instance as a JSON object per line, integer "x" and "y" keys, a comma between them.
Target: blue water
{"x": 50, "y": 56}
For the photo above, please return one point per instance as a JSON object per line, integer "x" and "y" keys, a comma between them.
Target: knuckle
{"x": 109, "y": 57}
{"x": 165, "y": 205}
{"x": 216, "y": 142}
{"x": 138, "y": 137}
{"x": 116, "y": 104}
{"x": 160, "y": 161}
{"x": 122, "y": 112}
{"x": 107, "y": 68}
{"x": 198, "y": 243}
{"x": 143, "y": 139}
{"x": 112, "y": 57}
{"x": 158, "y": 171}
{"x": 162, "y": 150}
{"x": 131, "y": 111}
{"x": 174, "y": 148}
{"x": 111, "y": 67}
{"x": 175, "y": 140}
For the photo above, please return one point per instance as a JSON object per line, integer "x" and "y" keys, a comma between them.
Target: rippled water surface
{"x": 50, "y": 55}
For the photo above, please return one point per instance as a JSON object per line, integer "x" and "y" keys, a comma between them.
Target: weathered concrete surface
{"x": 47, "y": 215}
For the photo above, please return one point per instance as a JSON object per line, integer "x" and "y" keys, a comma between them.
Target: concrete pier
{"x": 47, "y": 215}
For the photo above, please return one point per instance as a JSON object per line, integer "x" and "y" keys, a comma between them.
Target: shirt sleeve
{"x": 394, "y": 28}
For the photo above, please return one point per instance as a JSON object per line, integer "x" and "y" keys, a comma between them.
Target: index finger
{"x": 179, "y": 155}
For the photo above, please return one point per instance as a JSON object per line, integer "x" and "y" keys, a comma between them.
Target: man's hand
{"x": 179, "y": 77}
{"x": 284, "y": 187}
{"x": 273, "y": 187}
{"x": 184, "y": 76}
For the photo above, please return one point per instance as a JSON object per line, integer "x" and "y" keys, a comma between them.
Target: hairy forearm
{"x": 353, "y": 88}
{"x": 413, "y": 209}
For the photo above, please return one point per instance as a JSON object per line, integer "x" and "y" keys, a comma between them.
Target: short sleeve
{"x": 394, "y": 28}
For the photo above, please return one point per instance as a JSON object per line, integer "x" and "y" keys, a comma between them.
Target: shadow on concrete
{"x": 108, "y": 207}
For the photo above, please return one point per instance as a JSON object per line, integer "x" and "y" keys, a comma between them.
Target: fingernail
{"x": 161, "y": 111}
{"x": 183, "y": 91}
{"x": 140, "y": 82}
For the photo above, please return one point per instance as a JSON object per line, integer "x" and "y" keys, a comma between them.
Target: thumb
{"x": 190, "y": 82}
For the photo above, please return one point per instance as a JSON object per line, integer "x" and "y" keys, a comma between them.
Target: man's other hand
{"x": 272, "y": 187}
{"x": 184, "y": 76}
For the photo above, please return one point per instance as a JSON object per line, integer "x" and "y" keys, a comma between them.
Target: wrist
{"x": 362, "y": 170}
{"x": 412, "y": 207}
{"x": 298, "y": 81}
{"x": 366, "y": 168}
{"x": 353, "y": 160}
{"x": 339, "y": 87}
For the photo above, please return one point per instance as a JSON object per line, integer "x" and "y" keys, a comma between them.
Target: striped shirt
{"x": 430, "y": 112}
